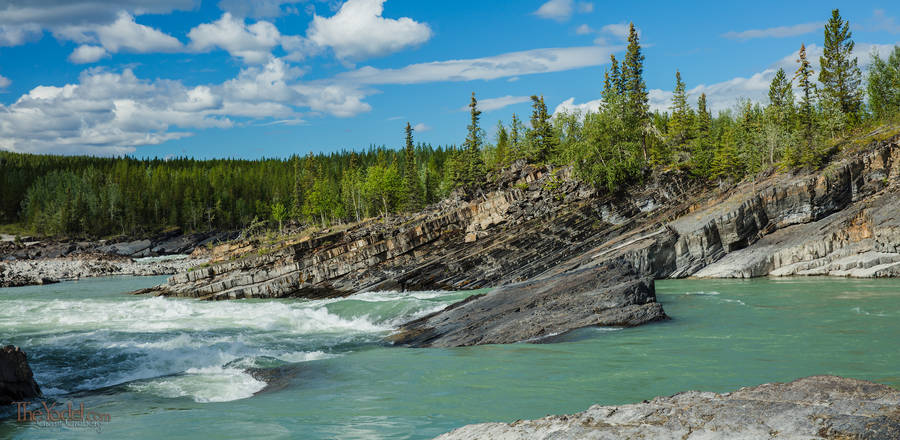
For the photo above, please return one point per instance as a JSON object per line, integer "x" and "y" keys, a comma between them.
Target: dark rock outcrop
{"x": 16, "y": 379}
{"x": 608, "y": 294}
{"x": 818, "y": 407}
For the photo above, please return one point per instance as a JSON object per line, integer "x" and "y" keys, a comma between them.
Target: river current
{"x": 178, "y": 368}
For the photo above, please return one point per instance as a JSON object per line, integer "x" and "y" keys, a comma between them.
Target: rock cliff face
{"x": 563, "y": 250}
{"x": 818, "y": 407}
{"x": 16, "y": 379}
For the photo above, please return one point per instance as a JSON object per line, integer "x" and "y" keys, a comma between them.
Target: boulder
{"x": 16, "y": 379}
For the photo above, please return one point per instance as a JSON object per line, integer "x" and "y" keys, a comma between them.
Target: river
{"x": 176, "y": 368}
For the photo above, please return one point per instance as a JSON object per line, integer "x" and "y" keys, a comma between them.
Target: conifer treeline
{"x": 616, "y": 145}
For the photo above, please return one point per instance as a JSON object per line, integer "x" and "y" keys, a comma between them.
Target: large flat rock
{"x": 609, "y": 294}
{"x": 818, "y": 407}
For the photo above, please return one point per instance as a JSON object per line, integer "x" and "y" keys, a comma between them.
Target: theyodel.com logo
{"x": 52, "y": 414}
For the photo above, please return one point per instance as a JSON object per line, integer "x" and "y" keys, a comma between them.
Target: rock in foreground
{"x": 16, "y": 379}
{"x": 609, "y": 294}
{"x": 818, "y": 407}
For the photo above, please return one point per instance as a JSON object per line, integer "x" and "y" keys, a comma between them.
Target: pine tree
{"x": 501, "y": 153}
{"x": 702, "y": 155}
{"x": 541, "y": 138}
{"x": 681, "y": 122}
{"x": 411, "y": 174}
{"x": 516, "y": 131}
{"x": 781, "y": 94}
{"x": 636, "y": 99}
{"x": 471, "y": 164}
{"x": 806, "y": 116}
{"x": 840, "y": 75}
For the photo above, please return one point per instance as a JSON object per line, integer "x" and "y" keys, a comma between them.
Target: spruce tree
{"x": 806, "y": 116}
{"x": 501, "y": 153}
{"x": 541, "y": 137}
{"x": 636, "y": 99}
{"x": 411, "y": 174}
{"x": 681, "y": 122}
{"x": 781, "y": 94}
{"x": 840, "y": 75}
{"x": 516, "y": 131}
{"x": 473, "y": 164}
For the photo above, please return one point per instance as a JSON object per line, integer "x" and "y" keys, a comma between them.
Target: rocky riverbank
{"x": 25, "y": 261}
{"x": 818, "y": 407}
{"x": 16, "y": 273}
{"x": 571, "y": 256}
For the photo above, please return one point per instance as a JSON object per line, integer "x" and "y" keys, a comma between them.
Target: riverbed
{"x": 177, "y": 368}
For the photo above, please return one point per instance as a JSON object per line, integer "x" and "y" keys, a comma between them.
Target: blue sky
{"x": 236, "y": 78}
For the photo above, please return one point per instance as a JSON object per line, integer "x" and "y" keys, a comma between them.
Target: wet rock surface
{"x": 16, "y": 379}
{"x": 609, "y": 294}
{"x": 818, "y": 407}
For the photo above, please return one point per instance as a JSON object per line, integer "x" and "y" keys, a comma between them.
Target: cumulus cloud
{"x": 776, "y": 32}
{"x": 253, "y": 43}
{"x": 491, "y": 104}
{"x": 114, "y": 112}
{"x": 26, "y": 20}
{"x": 615, "y": 33}
{"x": 124, "y": 34}
{"x": 87, "y": 54}
{"x": 500, "y": 66}
{"x": 421, "y": 127}
{"x": 562, "y": 10}
{"x": 359, "y": 31}
{"x": 4, "y": 82}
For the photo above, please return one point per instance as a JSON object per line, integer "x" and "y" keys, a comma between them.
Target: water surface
{"x": 175, "y": 368}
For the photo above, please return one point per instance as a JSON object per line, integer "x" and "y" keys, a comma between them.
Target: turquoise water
{"x": 169, "y": 368}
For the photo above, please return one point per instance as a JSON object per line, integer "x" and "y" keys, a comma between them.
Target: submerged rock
{"x": 818, "y": 407}
{"x": 16, "y": 379}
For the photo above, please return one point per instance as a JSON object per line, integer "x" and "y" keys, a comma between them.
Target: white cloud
{"x": 359, "y": 31}
{"x": 421, "y": 127}
{"x": 113, "y": 113}
{"x": 87, "y": 54}
{"x": 25, "y": 20}
{"x": 562, "y": 10}
{"x": 499, "y": 66}
{"x": 775, "y": 32}
{"x": 253, "y": 43}
{"x": 16, "y": 34}
{"x": 569, "y": 106}
{"x": 4, "y": 82}
{"x": 491, "y": 104}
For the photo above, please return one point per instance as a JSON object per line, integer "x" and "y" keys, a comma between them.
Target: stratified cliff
{"x": 568, "y": 256}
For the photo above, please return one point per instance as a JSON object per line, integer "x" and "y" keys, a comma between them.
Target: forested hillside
{"x": 619, "y": 144}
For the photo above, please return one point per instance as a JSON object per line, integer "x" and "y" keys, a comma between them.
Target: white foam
{"x": 203, "y": 385}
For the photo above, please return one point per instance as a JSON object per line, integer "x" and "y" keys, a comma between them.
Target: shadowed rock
{"x": 16, "y": 379}
{"x": 610, "y": 294}
{"x": 818, "y": 407}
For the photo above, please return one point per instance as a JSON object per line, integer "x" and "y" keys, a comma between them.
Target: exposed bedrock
{"x": 818, "y": 407}
{"x": 16, "y": 379}
{"x": 546, "y": 239}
